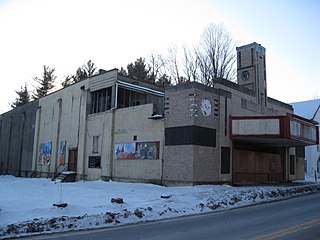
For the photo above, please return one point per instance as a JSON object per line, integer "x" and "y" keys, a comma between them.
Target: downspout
{"x": 36, "y": 141}
{"x": 23, "y": 116}
{"x": 82, "y": 121}
{"x": 84, "y": 144}
{"x": 58, "y": 134}
{"x": 162, "y": 160}
{"x": 113, "y": 111}
{"x": 9, "y": 143}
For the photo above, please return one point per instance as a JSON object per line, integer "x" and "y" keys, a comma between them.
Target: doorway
{"x": 73, "y": 159}
{"x": 257, "y": 167}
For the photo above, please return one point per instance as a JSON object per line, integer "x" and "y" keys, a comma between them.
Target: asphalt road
{"x": 296, "y": 218}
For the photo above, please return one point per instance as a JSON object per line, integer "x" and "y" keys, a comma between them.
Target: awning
{"x": 290, "y": 130}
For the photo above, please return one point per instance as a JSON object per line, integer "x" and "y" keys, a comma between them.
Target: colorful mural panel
{"x": 45, "y": 152}
{"x": 147, "y": 150}
{"x": 125, "y": 151}
{"x": 62, "y": 152}
{"x": 137, "y": 151}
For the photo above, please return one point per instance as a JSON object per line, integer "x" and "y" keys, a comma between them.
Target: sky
{"x": 65, "y": 34}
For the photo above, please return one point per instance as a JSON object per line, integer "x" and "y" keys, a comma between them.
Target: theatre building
{"x": 113, "y": 127}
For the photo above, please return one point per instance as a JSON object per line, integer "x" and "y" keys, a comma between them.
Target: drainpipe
{"x": 9, "y": 143}
{"x": 36, "y": 141}
{"x": 58, "y": 134}
{"x": 23, "y": 117}
{"x": 83, "y": 119}
{"x": 161, "y": 162}
{"x": 84, "y": 145}
{"x": 113, "y": 112}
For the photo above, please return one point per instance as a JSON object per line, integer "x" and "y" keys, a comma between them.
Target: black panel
{"x": 190, "y": 135}
{"x": 225, "y": 160}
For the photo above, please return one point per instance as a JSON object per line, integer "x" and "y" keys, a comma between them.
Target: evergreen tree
{"x": 23, "y": 97}
{"x": 138, "y": 70}
{"x": 123, "y": 72}
{"x": 67, "y": 81}
{"x": 46, "y": 82}
{"x": 164, "y": 81}
{"x": 87, "y": 70}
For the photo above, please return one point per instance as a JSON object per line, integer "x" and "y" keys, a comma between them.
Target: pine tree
{"x": 23, "y": 97}
{"x": 82, "y": 73}
{"x": 138, "y": 70}
{"x": 46, "y": 82}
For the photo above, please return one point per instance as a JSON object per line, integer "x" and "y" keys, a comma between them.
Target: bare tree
{"x": 156, "y": 64}
{"x": 190, "y": 64}
{"x": 216, "y": 54}
{"x": 173, "y": 65}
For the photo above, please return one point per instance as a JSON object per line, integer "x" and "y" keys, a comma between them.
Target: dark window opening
{"x": 225, "y": 160}
{"x": 251, "y": 56}
{"x": 101, "y": 100}
{"x": 292, "y": 165}
{"x": 95, "y": 144}
{"x": 128, "y": 98}
{"x": 94, "y": 162}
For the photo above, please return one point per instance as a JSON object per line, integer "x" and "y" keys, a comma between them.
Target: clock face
{"x": 206, "y": 107}
{"x": 245, "y": 75}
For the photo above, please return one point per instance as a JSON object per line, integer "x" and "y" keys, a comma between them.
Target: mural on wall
{"x": 125, "y": 151}
{"x": 137, "y": 151}
{"x": 62, "y": 152}
{"x": 45, "y": 153}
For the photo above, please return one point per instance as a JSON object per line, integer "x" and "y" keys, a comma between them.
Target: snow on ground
{"x": 26, "y": 204}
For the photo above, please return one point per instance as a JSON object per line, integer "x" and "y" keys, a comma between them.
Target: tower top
{"x": 251, "y": 70}
{"x": 260, "y": 49}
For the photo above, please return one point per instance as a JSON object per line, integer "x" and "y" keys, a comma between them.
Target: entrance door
{"x": 257, "y": 167}
{"x": 73, "y": 159}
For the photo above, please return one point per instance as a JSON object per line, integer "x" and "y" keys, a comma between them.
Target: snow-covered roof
{"x": 306, "y": 109}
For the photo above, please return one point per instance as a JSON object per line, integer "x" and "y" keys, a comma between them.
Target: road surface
{"x": 295, "y": 218}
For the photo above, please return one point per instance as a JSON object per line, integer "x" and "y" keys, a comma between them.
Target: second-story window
{"x": 100, "y": 100}
{"x": 128, "y": 98}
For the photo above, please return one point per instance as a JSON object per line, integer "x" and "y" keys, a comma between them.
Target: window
{"x": 94, "y": 162}
{"x": 292, "y": 165}
{"x": 305, "y": 166}
{"x": 251, "y": 56}
{"x": 95, "y": 144}
{"x": 225, "y": 160}
{"x": 128, "y": 98}
{"x": 100, "y": 100}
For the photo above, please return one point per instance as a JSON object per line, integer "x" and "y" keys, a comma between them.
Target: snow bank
{"x": 26, "y": 204}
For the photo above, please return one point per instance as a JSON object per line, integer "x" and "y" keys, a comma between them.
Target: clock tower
{"x": 251, "y": 70}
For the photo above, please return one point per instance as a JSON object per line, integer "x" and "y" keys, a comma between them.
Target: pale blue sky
{"x": 66, "y": 33}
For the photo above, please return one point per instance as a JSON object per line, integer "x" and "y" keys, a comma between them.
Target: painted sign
{"x": 62, "y": 152}
{"x": 137, "y": 151}
{"x": 45, "y": 151}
